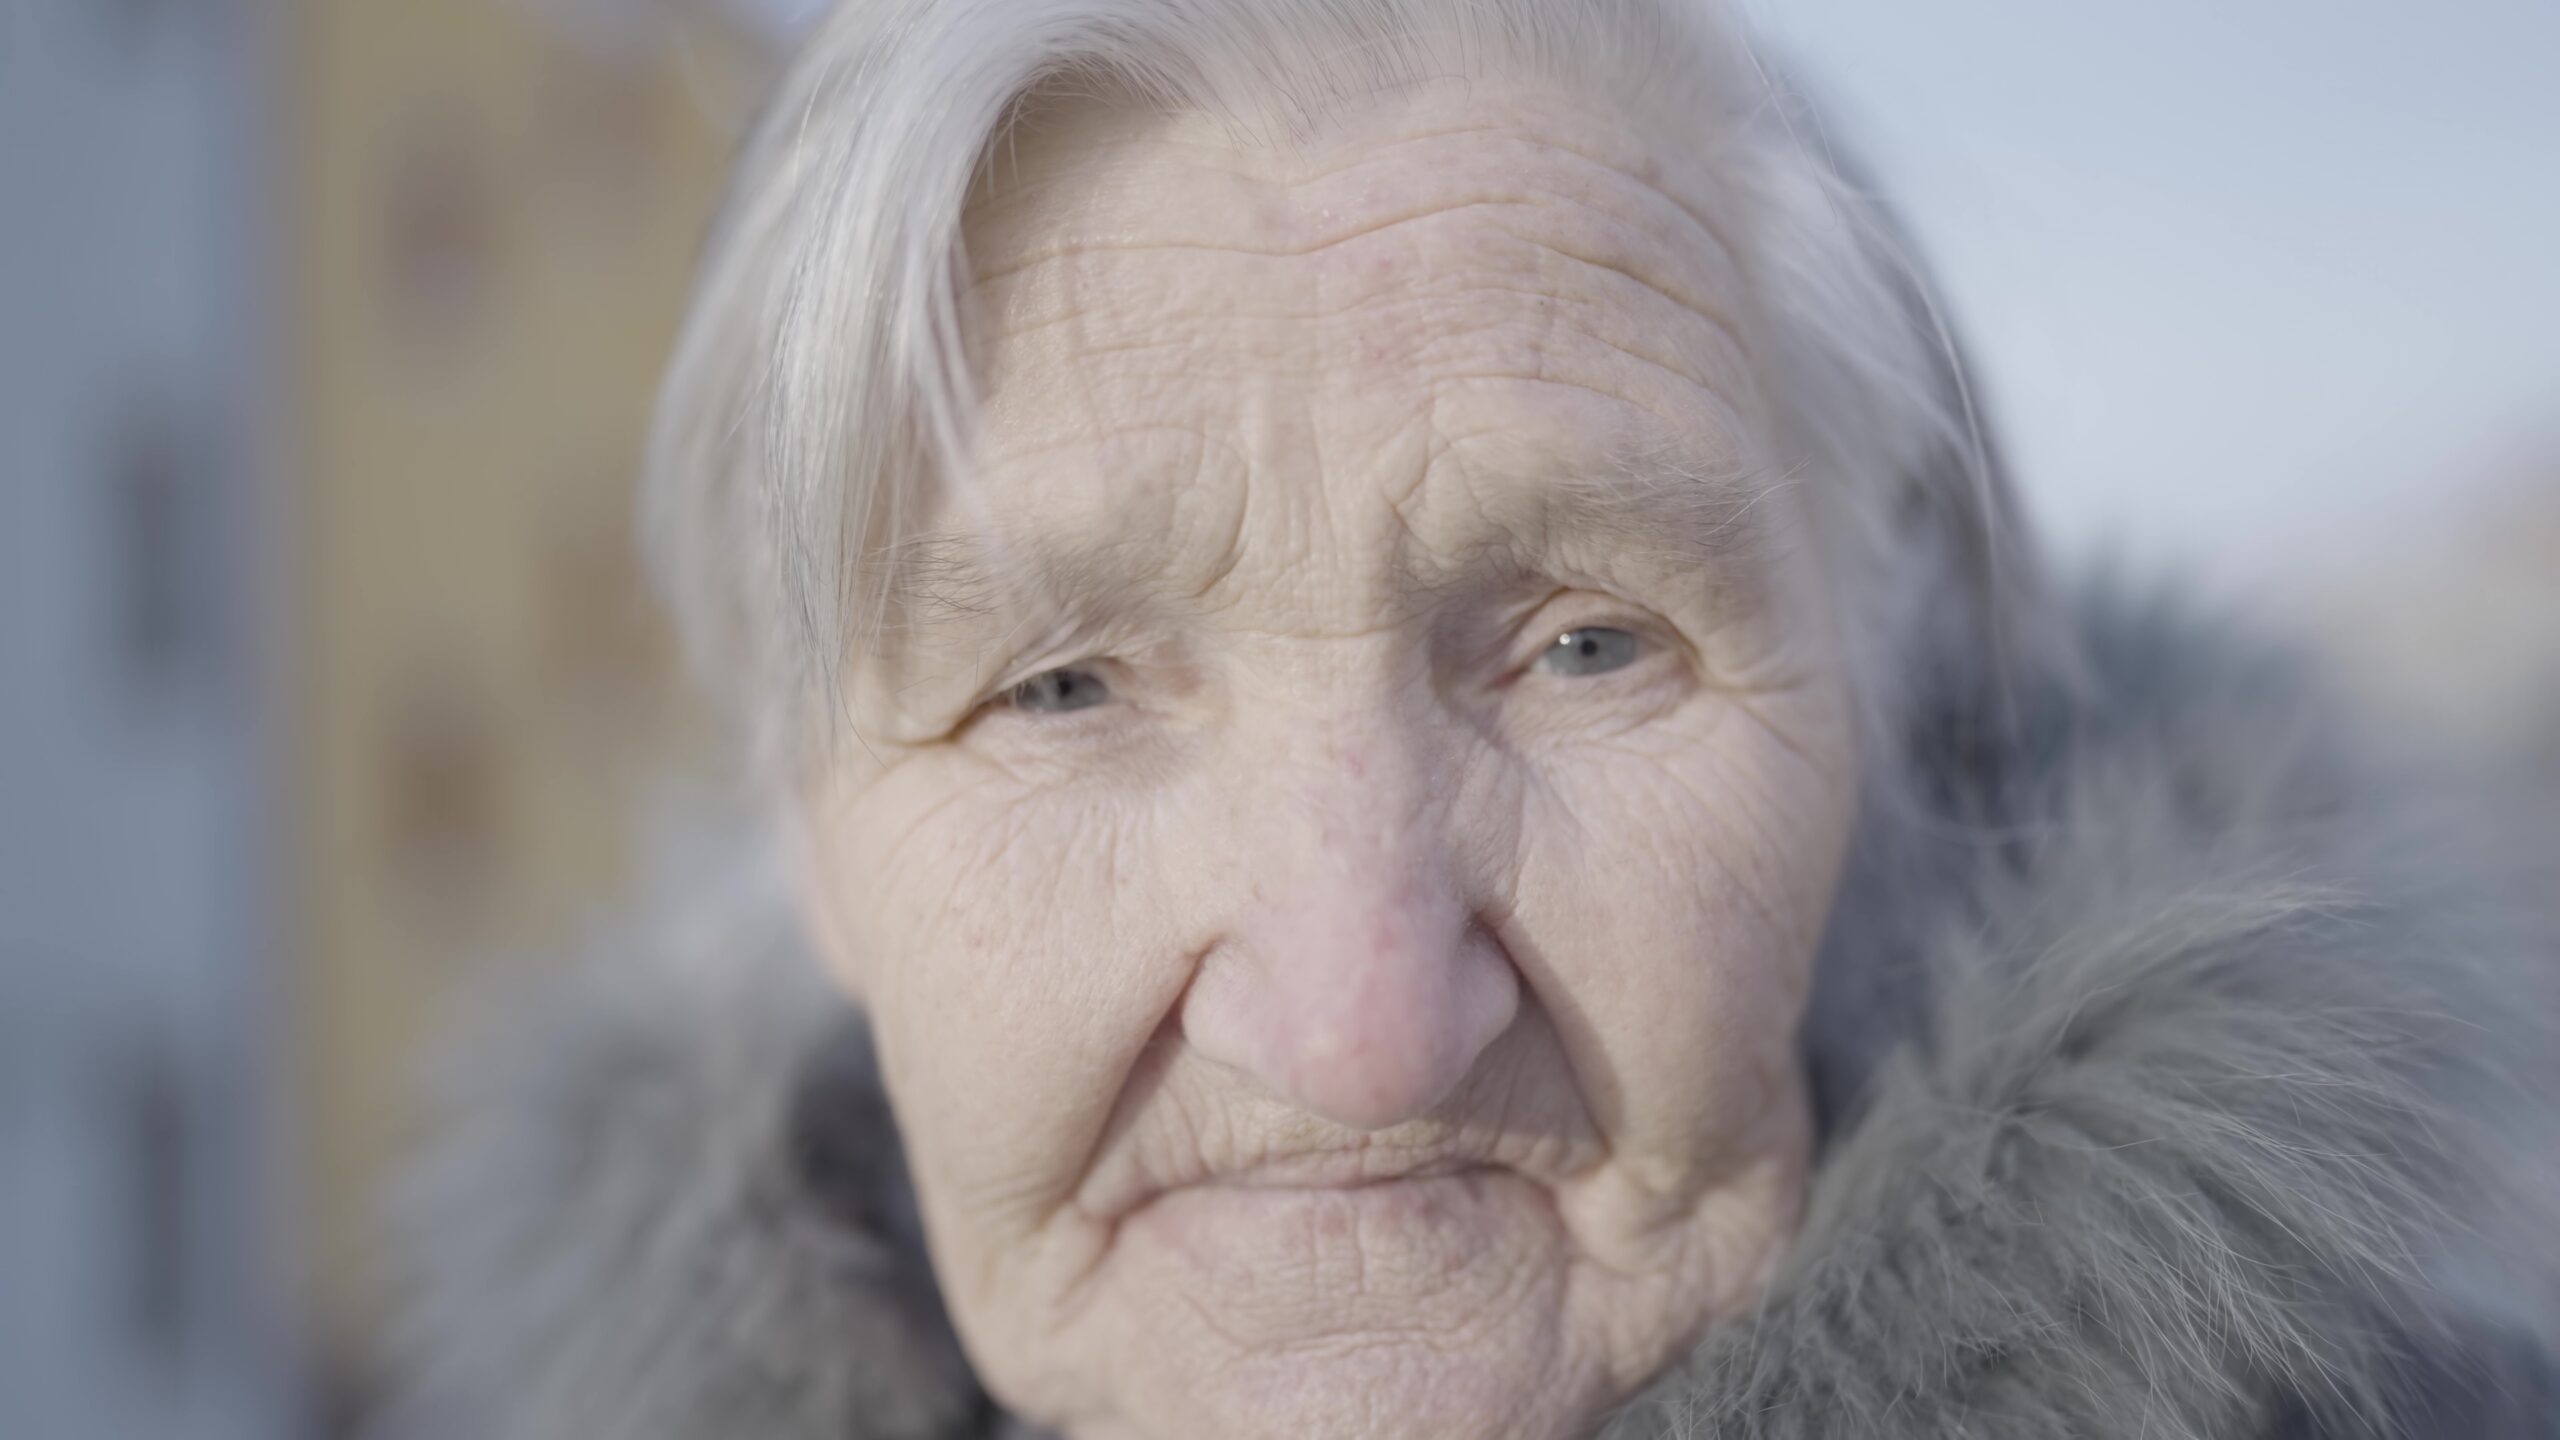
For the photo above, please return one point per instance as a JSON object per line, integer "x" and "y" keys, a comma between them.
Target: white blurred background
{"x": 2258, "y": 287}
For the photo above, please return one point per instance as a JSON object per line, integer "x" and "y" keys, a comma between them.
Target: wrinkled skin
{"x": 1348, "y": 990}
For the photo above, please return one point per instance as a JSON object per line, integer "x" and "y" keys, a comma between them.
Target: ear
{"x": 819, "y": 894}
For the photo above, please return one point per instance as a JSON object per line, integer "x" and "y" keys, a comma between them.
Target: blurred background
{"x": 328, "y": 682}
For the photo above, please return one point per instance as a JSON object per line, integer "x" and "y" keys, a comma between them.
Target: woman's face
{"x": 1338, "y": 831}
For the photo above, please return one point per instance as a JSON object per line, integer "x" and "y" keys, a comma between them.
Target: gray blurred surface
{"x": 139, "y": 995}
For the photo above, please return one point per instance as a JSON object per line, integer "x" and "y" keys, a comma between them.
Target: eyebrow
{"x": 1647, "y": 497}
{"x": 946, "y": 581}
{"x": 1645, "y": 501}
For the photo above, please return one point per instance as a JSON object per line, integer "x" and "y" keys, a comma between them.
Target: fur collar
{"x": 2180, "y": 1077}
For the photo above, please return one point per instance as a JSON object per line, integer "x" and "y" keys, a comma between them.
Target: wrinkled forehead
{"x": 1072, "y": 166}
{"x": 1487, "y": 300}
{"x": 1099, "y": 225}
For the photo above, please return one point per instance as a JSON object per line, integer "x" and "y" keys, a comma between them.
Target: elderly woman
{"x": 1391, "y": 671}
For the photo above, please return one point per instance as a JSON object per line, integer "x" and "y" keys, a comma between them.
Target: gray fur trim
{"x": 667, "y": 1201}
{"x": 2183, "y": 1074}
{"x": 2229, "y": 1062}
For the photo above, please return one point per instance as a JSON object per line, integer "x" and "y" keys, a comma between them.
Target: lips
{"x": 1182, "y": 1125}
{"x": 1347, "y": 1168}
{"x": 1339, "y": 1171}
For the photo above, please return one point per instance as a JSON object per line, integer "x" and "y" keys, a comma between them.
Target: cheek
{"x": 1673, "y": 887}
{"x": 1012, "y": 966}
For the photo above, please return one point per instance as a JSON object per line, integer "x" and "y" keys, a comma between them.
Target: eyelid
{"x": 1113, "y": 671}
{"x": 1587, "y": 611}
{"x": 1020, "y": 675}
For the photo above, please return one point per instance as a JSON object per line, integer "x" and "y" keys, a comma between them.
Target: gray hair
{"x": 822, "y": 376}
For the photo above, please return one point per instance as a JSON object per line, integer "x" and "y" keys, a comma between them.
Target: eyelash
{"x": 1568, "y": 612}
{"x": 1007, "y": 697}
{"x": 1651, "y": 645}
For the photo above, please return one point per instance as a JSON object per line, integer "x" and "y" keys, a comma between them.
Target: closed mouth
{"x": 1321, "y": 1171}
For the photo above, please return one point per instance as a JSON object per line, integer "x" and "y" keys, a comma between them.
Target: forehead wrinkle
{"x": 1641, "y": 177}
{"x": 1479, "y": 323}
{"x": 1118, "y": 306}
{"x": 1117, "y": 155}
{"x": 1629, "y": 224}
{"x": 1640, "y": 169}
{"x": 1074, "y": 143}
{"x": 1546, "y": 335}
{"x": 1141, "y": 332}
{"x": 1503, "y": 205}
{"x": 1551, "y": 333}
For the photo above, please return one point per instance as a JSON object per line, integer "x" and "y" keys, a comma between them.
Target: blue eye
{"x": 1055, "y": 692}
{"x": 1596, "y": 650}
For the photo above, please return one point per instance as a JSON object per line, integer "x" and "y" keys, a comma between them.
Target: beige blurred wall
{"x": 491, "y": 232}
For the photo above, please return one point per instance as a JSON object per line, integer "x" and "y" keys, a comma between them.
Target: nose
{"x": 1357, "y": 985}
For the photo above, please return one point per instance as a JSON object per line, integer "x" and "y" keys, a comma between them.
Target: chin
{"x": 1440, "y": 1307}
{"x": 1387, "y": 1388}
{"x": 1501, "y": 1381}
